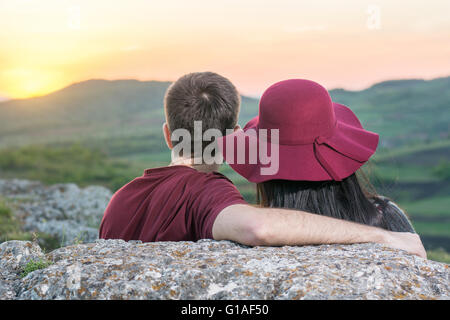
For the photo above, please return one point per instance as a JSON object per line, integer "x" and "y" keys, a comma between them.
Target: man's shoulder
{"x": 195, "y": 175}
{"x": 177, "y": 174}
{"x": 220, "y": 176}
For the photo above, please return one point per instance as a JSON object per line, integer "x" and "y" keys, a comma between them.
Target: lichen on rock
{"x": 208, "y": 269}
{"x": 14, "y": 256}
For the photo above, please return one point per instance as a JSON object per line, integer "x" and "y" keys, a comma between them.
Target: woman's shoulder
{"x": 395, "y": 219}
{"x": 383, "y": 204}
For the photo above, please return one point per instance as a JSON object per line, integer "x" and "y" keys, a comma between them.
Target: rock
{"x": 14, "y": 255}
{"x": 19, "y": 188}
{"x": 64, "y": 211}
{"x": 115, "y": 269}
{"x": 207, "y": 269}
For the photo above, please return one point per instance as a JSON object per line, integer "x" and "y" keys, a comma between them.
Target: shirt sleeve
{"x": 216, "y": 194}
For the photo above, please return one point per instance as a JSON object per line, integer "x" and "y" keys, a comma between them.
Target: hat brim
{"x": 328, "y": 158}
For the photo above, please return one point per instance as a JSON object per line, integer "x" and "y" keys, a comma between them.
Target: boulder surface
{"x": 207, "y": 269}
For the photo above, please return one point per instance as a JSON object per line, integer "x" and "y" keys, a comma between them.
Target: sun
{"x": 23, "y": 83}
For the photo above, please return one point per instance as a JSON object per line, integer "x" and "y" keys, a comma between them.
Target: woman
{"x": 321, "y": 146}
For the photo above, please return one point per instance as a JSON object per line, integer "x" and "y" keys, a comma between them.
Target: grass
{"x": 10, "y": 226}
{"x": 431, "y": 228}
{"x": 439, "y": 255}
{"x": 11, "y": 229}
{"x": 387, "y": 156}
{"x": 34, "y": 265}
{"x": 399, "y": 172}
{"x": 434, "y": 207}
{"x": 74, "y": 163}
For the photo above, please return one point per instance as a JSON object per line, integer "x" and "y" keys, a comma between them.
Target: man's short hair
{"x": 202, "y": 96}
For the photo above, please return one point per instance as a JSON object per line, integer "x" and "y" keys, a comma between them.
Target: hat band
{"x": 318, "y": 143}
{"x": 321, "y": 144}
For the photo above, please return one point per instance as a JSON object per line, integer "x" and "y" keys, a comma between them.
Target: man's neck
{"x": 202, "y": 167}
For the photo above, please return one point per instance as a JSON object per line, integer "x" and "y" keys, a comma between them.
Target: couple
{"x": 314, "y": 197}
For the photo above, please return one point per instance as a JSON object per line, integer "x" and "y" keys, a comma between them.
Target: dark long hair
{"x": 352, "y": 199}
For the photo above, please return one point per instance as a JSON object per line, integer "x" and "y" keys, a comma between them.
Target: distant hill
{"x": 86, "y": 109}
{"x": 91, "y": 109}
{"x": 402, "y": 111}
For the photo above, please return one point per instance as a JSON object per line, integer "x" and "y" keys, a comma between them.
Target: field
{"x": 108, "y": 132}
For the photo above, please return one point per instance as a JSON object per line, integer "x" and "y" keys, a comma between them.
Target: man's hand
{"x": 405, "y": 241}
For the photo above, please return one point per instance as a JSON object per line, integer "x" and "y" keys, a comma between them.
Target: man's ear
{"x": 237, "y": 127}
{"x": 167, "y": 135}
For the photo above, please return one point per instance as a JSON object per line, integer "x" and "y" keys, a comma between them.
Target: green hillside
{"x": 108, "y": 132}
{"x": 418, "y": 179}
{"x": 404, "y": 112}
{"x": 122, "y": 117}
{"x": 97, "y": 108}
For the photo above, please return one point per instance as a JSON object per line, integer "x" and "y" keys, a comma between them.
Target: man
{"x": 189, "y": 201}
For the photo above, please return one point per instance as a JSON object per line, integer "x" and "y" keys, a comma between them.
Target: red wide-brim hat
{"x": 318, "y": 139}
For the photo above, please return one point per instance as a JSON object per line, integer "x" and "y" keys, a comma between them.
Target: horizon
{"x": 48, "y": 44}
{"x": 5, "y": 98}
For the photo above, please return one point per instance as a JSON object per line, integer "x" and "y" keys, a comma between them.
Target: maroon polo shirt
{"x": 176, "y": 203}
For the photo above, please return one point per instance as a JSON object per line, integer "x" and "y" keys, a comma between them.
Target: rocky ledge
{"x": 115, "y": 269}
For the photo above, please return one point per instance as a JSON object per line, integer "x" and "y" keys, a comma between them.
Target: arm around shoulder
{"x": 277, "y": 227}
{"x": 251, "y": 225}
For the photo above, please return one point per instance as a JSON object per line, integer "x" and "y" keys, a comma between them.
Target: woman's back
{"x": 338, "y": 199}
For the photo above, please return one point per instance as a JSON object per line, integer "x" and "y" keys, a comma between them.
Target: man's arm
{"x": 276, "y": 227}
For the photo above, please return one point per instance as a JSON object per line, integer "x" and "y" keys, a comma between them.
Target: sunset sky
{"x": 48, "y": 44}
